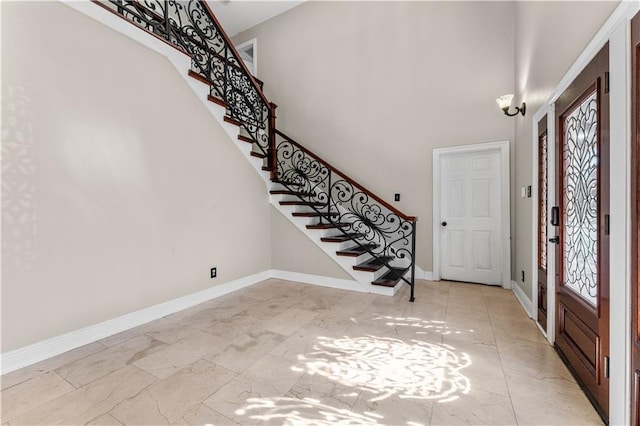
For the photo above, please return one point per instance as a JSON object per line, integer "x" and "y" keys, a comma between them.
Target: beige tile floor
{"x": 287, "y": 353}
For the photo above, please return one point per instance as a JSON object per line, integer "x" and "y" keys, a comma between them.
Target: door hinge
{"x": 606, "y": 82}
{"x": 606, "y": 367}
{"x": 606, "y": 224}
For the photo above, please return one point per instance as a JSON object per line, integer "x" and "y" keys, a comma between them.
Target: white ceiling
{"x": 239, "y": 15}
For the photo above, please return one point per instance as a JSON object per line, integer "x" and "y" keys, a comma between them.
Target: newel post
{"x": 272, "y": 155}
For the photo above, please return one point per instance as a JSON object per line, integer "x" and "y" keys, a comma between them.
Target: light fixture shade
{"x": 504, "y": 101}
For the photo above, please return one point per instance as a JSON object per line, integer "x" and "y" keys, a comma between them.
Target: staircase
{"x": 370, "y": 239}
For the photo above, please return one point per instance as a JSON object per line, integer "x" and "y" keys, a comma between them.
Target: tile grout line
{"x": 504, "y": 375}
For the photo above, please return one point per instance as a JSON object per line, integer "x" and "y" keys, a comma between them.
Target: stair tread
{"x": 340, "y": 238}
{"x": 258, "y": 154}
{"x": 301, "y": 203}
{"x": 312, "y": 214}
{"x": 288, "y": 183}
{"x": 356, "y": 251}
{"x": 217, "y": 101}
{"x": 288, "y": 192}
{"x": 374, "y": 264}
{"x": 232, "y": 120}
{"x": 245, "y": 139}
{"x": 391, "y": 278}
{"x": 200, "y": 77}
{"x": 328, "y": 225}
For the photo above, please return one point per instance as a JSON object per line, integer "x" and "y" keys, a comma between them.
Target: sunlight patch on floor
{"x": 306, "y": 411}
{"x": 387, "y": 367}
{"x": 421, "y": 326}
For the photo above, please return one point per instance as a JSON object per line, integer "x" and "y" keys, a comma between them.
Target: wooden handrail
{"x": 242, "y": 66}
{"x": 109, "y": 9}
{"x": 351, "y": 180}
{"x": 235, "y": 52}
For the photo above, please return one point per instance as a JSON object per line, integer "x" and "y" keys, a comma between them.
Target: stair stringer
{"x": 363, "y": 278}
{"x": 182, "y": 63}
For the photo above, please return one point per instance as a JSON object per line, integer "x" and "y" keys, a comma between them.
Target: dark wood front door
{"x": 635, "y": 209}
{"x": 543, "y": 227}
{"x": 582, "y": 256}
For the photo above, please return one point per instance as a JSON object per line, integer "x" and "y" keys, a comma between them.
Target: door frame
{"x": 505, "y": 199}
{"x": 549, "y": 111}
{"x": 254, "y": 45}
{"x": 634, "y": 65}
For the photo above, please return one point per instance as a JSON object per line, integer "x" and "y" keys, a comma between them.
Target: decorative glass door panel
{"x": 543, "y": 182}
{"x": 580, "y": 199}
{"x": 543, "y": 222}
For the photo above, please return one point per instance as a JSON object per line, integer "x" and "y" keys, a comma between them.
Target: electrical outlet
{"x": 522, "y": 276}
{"x": 214, "y": 272}
{"x": 397, "y": 197}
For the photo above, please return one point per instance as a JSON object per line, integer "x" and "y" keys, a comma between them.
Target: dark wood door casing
{"x": 635, "y": 210}
{"x": 543, "y": 234}
{"x": 582, "y": 330}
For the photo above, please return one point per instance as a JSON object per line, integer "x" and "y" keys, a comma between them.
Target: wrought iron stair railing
{"x": 191, "y": 27}
{"x": 375, "y": 227}
{"x": 379, "y": 229}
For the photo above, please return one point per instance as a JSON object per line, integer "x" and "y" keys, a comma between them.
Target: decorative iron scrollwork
{"x": 190, "y": 26}
{"x": 384, "y": 233}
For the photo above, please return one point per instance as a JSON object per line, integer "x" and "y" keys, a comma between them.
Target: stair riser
{"x": 287, "y": 197}
{"x": 342, "y": 246}
{"x": 362, "y": 258}
{"x": 277, "y": 187}
{"x": 380, "y": 272}
{"x": 315, "y": 220}
{"x": 280, "y": 187}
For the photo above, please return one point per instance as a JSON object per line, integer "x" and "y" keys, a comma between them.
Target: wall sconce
{"x": 504, "y": 102}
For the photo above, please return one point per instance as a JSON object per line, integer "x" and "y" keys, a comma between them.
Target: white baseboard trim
{"x": 543, "y": 331}
{"x": 40, "y": 351}
{"x": 57, "y": 345}
{"x": 526, "y": 303}
{"x": 319, "y": 280}
{"x": 421, "y": 274}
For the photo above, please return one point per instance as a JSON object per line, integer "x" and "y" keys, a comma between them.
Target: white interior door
{"x": 470, "y": 217}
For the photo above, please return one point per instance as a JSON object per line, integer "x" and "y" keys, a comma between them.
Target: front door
{"x": 543, "y": 230}
{"x": 582, "y": 271}
{"x": 471, "y": 221}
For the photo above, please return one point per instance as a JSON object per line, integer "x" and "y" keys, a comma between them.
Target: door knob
{"x": 444, "y": 223}
{"x": 555, "y": 239}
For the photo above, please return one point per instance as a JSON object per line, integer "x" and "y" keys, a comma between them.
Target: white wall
{"x": 373, "y": 87}
{"x": 119, "y": 190}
